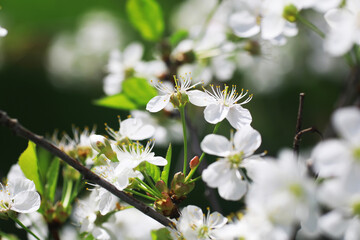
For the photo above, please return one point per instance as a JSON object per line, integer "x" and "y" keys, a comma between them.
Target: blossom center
{"x": 203, "y": 232}
{"x": 356, "y": 208}
{"x": 356, "y": 154}
{"x": 296, "y": 189}
{"x": 236, "y": 159}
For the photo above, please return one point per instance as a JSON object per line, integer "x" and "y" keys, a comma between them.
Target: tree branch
{"x": 20, "y": 131}
{"x": 296, "y": 145}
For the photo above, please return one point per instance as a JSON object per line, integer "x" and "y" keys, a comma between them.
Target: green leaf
{"x": 153, "y": 171}
{"x": 44, "y": 159}
{"x": 52, "y": 178}
{"x": 178, "y": 37}
{"x": 118, "y": 101}
{"x": 146, "y": 16}
{"x": 166, "y": 170}
{"x": 139, "y": 91}
{"x": 161, "y": 234}
{"x": 29, "y": 165}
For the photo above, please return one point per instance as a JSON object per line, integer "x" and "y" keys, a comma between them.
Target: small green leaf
{"x": 166, "y": 170}
{"x": 161, "y": 234}
{"x": 52, "y": 178}
{"x": 146, "y": 16}
{"x": 44, "y": 159}
{"x": 118, "y": 101}
{"x": 153, "y": 171}
{"x": 138, "y": 90}
{"x": 178, "y": 37}
{"x": 29, "y": 165}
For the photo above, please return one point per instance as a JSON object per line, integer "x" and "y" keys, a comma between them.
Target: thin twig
{"x": 298, "y": 123}
{"x": 19, "y": 130}
{"x": 298, "y": 135}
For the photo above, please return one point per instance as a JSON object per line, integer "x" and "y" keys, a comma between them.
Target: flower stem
{"x": 148, "y": 189}
{"x": 23, "y": 226}
{"x": 140, "y": 194}
{"x": 182, "y": 114}
{"x": 68, "y": 193}
{"x": 310, "y": 25}
{"x": 148, "y": 179}
{"x": 191, "y": 173}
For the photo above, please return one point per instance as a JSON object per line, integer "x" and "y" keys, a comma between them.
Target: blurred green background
{"x": 28, "y": 92}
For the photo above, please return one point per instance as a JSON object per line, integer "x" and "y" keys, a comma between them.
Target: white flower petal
{"x": 200, "y": 98}
{"x": 113, "y": 83}
{"x": 244, "y": 24}
{"x": 26, "y": 202}
{"x": 217, "y": 173}
{"x": 19, "y": 185}
{"x": 353, "y": 230}
{"x": 135, "y": 129}
{"x": 247, "y": 139}
{"x": 158, "y": 103}
{"x": 106, "y": 201}
{"x": 216, "y": 145}
{"x": 158, "y": 161}
{"x": 235, "y": 188}
{"x": 3, "y": 32}
{"x": 346, "y": 122}
{"x": 272, "y": 26}
{"x": 238, "y": 116}
{"x": 333, "y": 224}
{"x": 326, "y": 157}
{"x": 133, "y": 54}
{"x": 216, "y": 220}
{"x": 215, "y": 113}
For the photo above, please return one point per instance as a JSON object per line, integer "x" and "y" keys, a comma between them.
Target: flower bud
{"x": 194, "y": 162}
{"x": 179, "y": 187}
{"x": 290, "y": 13}
{"x": 103, "y": 146}
{"x": 161, "y": 186}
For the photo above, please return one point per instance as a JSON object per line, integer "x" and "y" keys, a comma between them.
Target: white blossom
{"x": 193, "y": 224}
{"x": 120, "y": 66}
{"x": 226, "y": 173}
{"x": 344, "y": 28}
{"x": 19, "y": 195}
{"x": 220, "y": 104}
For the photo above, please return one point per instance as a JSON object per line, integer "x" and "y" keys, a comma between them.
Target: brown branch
{"x": 20, "y": 131}
{"x": 298, "y": 124}
{"x": 298, "y": 135}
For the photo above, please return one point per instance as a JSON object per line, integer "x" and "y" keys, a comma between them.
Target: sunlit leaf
{"x": 166, "y": 170}
{"x": 146, "y": 16}
{"x": 161, "y": 234}
{"x": 29, "y": 165}
{"x": 52, "y": 178}
{"x": 118, "y": 101}
{"x": 139, "y": 91}
{"x": 178, "y": 37}
{"x": 153, "y": 171}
